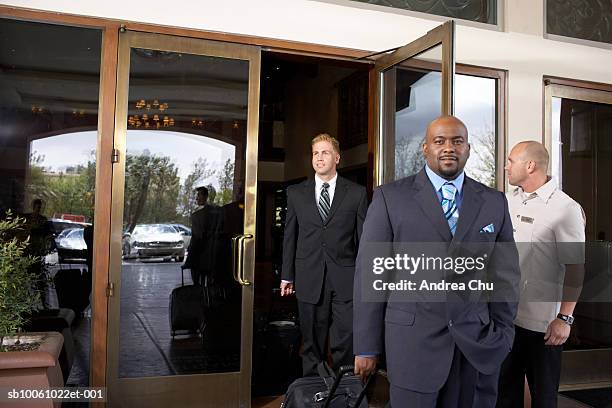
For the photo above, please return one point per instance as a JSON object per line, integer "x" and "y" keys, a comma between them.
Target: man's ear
{"x": 531, "y": 166}
{"x": 337, "y": 158}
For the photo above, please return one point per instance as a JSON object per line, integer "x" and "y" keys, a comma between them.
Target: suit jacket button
{"x": 324, "y": 244}
{"x": 450, "y": 323}
{"x": 325, "y": 227}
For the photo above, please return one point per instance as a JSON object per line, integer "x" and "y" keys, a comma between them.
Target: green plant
{"x": 18, "y": 293}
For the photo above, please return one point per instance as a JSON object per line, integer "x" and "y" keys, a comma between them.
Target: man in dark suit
{"x": 446, "y": 353}
{"x": 205, "y": 229}
{"x": 324, "y": 219}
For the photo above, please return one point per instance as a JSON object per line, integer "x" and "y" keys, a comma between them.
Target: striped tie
{"x": 324, "y": 204}
{"x": 449, "y": 205}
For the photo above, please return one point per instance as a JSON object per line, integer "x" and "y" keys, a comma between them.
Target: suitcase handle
{"x": 342, "y": 371}
{"x": 182, "y": 278}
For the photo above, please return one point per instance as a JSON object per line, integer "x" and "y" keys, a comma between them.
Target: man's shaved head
{"x": 527, "y": 165}
{"x": 445, "y": 120}
{"x": 534, "y": 151}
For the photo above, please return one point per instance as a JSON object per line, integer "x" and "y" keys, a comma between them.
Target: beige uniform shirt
{"x": 541, "y": 220}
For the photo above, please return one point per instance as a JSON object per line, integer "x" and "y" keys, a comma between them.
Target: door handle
{"x": 238, "y": 258}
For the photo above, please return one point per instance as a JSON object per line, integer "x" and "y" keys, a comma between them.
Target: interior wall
{"x": 311, "y": 108}
{"x": 520, "y": 48}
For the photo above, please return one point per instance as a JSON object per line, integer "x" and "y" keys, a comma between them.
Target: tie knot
{"x": 325, "y": 186}
{"x": 448, "y": 191}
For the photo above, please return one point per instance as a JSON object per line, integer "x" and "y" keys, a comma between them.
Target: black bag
{"x": 186, "y": 308}
{"x": 73, "y": 287}
{"x": 221, "y": 332}
{"x": 327, "y": 390}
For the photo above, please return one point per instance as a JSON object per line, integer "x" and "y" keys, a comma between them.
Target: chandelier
{"x": 152, "y": 116}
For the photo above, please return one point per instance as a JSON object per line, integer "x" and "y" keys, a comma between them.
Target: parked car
{"x": 71, "y": 246}
{"x": 185, "y": 232}
{"x": 153, "y": 241}
{"x": 58, "y": 225}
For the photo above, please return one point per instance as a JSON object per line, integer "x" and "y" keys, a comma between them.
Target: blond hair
{"x": 324, "y": 137}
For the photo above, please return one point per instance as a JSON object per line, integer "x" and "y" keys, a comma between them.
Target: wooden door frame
{"x": 105, "y": 143}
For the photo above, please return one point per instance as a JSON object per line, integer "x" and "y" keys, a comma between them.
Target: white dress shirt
{"x": 331, "y": 189}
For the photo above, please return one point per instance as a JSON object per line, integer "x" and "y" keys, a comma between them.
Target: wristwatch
{"x": 568, "y": 319}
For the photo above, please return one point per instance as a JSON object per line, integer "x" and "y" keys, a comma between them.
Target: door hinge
{"x": 110, "y": 289}
{"x": 115, "y": 156}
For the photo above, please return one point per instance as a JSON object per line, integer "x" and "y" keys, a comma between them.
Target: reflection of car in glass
{"x": 71, "y": 246}
{"x": 59, "y": 225}
{"x": 152, "y": 241}
{"x": 185, "y": 232}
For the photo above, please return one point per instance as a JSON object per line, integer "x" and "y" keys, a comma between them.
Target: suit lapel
{"x": 427, "y": 199}
{"x": 339, "y": 195}
{"x": 310, "y": 199}
{"x": 470, "y": 207}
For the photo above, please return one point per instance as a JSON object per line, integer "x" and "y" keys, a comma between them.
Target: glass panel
{"x": 581, "y": 130}
{"x": 476, "y": 106}
{"x": 411, "y": 99}
{"x": 482, "y": 11}
{"x": 418, "y": 101}
{"x": 585, "y": 19}
{"x": 49, "y": 86}
{"x": 187, "y": 118}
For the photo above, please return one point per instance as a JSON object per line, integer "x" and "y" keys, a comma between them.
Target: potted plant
{"x": 27, "y": 360}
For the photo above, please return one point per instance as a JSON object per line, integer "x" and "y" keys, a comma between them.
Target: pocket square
{"x": 488, "y": 229}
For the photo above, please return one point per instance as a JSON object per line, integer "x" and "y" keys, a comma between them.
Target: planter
{"x": 37, "y": 369}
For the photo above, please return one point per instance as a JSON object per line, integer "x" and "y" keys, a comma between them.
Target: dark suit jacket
{"x": 310, "y": 246}
{"x": 419, "y": 337}
{"x": 206, "y": 224}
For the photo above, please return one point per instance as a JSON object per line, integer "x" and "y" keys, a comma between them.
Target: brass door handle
{"x": 238, "y": 258}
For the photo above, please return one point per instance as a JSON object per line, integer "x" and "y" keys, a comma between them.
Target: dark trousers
{"x": 540, "y": 363}
{"x": 330, "y": 315}
{"x": 465, "y": 387}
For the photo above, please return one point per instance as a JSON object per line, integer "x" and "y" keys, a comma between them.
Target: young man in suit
{"x": 439, "y": 353}
{"x": 324, "y": 219}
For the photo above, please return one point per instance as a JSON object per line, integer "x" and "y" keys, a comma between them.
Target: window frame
{"x": 500, "y": 15}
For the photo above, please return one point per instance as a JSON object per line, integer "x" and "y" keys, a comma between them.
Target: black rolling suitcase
{"x": 73, "y": 287}
{"x": 343, "y": 390}
{"x": 186, "y": 308}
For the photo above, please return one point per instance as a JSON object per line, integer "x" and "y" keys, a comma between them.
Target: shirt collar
{"x": 319, "y": 182}
{"x": 544, "y": 192}
{"x": 438, "y": 181}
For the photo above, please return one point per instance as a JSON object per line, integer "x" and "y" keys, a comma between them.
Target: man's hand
{"x": 557, "y": 333}
{"x": 365, "y": 366}
{"x": 286, "y": 288}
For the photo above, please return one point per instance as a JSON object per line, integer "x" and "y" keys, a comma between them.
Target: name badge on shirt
{"x": 528, "y": 220}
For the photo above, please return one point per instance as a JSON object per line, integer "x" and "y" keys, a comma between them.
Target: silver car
{"x": 71, "y": 246}
{"x": 154, "y": 241}
{"x": 185, "y": 232}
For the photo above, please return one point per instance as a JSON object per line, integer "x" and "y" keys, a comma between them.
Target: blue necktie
{"x": 449, "y": 205}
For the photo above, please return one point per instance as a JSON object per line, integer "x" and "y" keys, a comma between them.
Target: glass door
{"x": 183, "y": 223}
{"x": 413, "y": 85}
{"x": 578, "y": 134}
